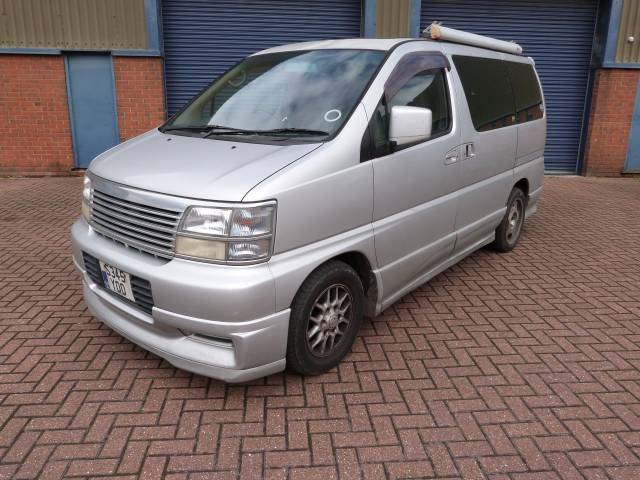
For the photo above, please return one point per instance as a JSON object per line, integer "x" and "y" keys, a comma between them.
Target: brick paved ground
{"x": 518, "y": 366}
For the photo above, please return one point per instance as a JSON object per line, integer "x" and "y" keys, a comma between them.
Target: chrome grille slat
{"x": 143, "y": 247}
{"x": 111, "y": 225}
{"x": 153, "y": 234}
{"x": 141, "y": 226}
{"x": 132, "y": 213}
{"x": 136, "y": 206}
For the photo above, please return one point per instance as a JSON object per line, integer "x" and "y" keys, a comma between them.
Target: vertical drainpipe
{"x": 632, "y": 162}
{"x": 414, "y": 19}
{"x": 155, "y": 43}
{"x": 602, "y": 56}
{"x": 152, "y": 21}
{"x": 369, "y": 19}
{"x": 611, "y": 40}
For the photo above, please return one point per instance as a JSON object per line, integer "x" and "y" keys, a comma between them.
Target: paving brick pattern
{"x": 516, "y": 366}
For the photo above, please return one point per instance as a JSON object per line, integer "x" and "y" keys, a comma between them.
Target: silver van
{"x": 309, "y": 186}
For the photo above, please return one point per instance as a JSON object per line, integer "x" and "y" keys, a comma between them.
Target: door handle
{"x": 469, "y": 150}
{"x": 451, "y": 156}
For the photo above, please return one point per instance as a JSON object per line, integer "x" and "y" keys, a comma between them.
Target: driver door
{"x": 415, "y": 188}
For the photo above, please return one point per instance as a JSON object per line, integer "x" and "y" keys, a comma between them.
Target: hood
{"x": 206, "y": 169}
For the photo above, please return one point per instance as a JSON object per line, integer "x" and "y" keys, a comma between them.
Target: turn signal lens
{"x": 244, "y": 251}
{"x": 251, "y": 222}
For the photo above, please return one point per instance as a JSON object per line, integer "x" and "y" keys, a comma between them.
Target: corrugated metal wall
{"x": 626, "y": 51}
{"x": 73, "y": 24}
{"x": 202, "y": 38}
{"x": 392, "y": 18}
{"x": 558, "y": 34}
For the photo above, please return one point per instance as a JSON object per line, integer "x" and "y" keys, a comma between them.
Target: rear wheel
{"x": 325, "y": 317}
{"x": 509, "y": 230}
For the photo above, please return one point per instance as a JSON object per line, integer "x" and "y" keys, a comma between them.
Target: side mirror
{"x": 409, "y": 125}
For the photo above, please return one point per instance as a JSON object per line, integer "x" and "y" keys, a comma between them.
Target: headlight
{"x": 87, "y": 194}
{"x": 236, "y": 234}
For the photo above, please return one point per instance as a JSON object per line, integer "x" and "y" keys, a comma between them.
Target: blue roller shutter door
{"x": 558, "y": 34}
{"x": 203, "y": 38}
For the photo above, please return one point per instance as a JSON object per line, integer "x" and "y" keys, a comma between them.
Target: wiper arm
{"x": 194, "y": 128}
{"x": 223, "y": 130}
{"x": 208, "y": 129}
{"x": 302, "y": 131}
{"x": 219, "y": 130}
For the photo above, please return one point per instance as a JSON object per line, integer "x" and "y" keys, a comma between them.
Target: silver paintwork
{"x": 193, "y": 168}
{"x": 411, "y": 215}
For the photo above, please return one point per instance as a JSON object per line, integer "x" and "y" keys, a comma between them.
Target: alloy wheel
{"x": 329, "y": 319}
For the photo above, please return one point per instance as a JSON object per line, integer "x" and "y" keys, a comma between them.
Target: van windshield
{"x": 302, "y": 94}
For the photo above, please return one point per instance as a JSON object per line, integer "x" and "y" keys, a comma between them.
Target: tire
{"x": 510, "y": 228}
{"x": 312, "y": 316}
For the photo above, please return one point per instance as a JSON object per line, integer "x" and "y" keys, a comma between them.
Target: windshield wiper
{"x": 207, "y": 129}
{"x": 210, "y": 130}
{"x": 223, "y": 130}
{"x": 301, "y": 131}
{"x": 194, "y": 128}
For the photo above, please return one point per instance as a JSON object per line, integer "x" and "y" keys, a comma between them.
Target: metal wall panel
{"x": 392, "y": 18}
{"x": 558, "y": 34}
{"x": 202, "y": 38}
{"x": 73, "y": 24}
{"x": 629, "y": 51}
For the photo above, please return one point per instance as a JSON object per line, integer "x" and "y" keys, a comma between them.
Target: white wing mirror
{"x": 409, "y": 125}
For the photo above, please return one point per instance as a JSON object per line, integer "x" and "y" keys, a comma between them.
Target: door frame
{"x": 74, "y": 133}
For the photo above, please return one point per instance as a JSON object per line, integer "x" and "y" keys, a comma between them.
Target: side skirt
{"x": 435, "y": 271}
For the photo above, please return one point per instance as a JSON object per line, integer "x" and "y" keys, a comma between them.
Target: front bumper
{"x": 245, "y": 339}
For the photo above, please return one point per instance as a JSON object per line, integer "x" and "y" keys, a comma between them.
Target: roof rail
{"x": 436, "y": 31}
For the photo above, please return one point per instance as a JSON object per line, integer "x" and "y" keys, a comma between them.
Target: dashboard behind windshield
{"x": 297, "y": 93}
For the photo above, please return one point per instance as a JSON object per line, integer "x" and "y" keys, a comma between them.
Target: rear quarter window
{"x": 499, "y": 93}
{"x": 488, "y": 91}
{"x": 528, "y": 98}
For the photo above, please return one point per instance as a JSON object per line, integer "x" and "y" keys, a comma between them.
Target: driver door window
{"x": 426, "y": 89}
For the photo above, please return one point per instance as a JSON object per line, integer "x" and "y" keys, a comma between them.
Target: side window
{"x": 528, "y": 98}
{"x": 427, "y": 89}
{"x": 380, "y": 131}
{"x": 488, "y": 91}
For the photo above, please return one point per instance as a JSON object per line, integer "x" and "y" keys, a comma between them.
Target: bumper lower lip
{"x": 252, "y": 349}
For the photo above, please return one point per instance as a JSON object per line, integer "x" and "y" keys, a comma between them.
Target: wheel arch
{"x": 523, "y": 184}
{"x": 362, "y": 266}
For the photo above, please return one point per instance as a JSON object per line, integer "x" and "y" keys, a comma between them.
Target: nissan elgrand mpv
{"x": 309, "y": 186}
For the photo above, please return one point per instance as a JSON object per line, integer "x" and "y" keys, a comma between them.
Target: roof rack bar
{"x": 435, "y": 31}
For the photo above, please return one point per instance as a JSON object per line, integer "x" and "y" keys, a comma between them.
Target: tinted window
{"x": 488, "y": 91}
{"x": 528, "y": 99}
{"x": 426, "y": 89}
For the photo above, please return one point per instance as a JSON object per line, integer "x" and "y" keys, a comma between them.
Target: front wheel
{"x": 509, "y": 230}
{"x": 325, "y": 318}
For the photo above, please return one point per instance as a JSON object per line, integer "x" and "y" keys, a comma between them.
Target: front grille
{"x": 146, "y": 228}
{"x": 141, "y": 287}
